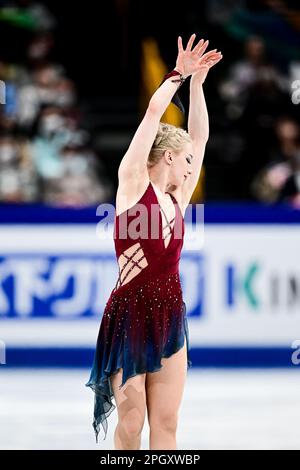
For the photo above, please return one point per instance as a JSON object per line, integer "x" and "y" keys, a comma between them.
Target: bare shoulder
{"x": 130, "y": 190}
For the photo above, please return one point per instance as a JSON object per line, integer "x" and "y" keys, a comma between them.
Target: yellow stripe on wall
{"x": 152, "y": 72}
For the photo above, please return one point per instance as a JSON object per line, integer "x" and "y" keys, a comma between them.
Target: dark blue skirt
{"x": 140, "y": 326}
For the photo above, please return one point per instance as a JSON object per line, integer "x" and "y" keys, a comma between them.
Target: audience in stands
{"x": 45, "y": 155}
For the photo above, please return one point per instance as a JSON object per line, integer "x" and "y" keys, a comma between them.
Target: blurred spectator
{"x": 28, "y": 13}
{"x": 246, "y": 74}
{"x": 18, "y": 177}
{"x": 40, "y": 124}
{"x": 220, "y": 11}
{"x": 50, "y": 139}
{"x": 279, "y": 179}
{"x": 49, "y": 87}
{"x": 68, "y": 168}
{"x": 10, "y": 107}
{"x": 265, "y": 102}
{"x": 276, "y": 21}
{"x": 291, "y": 190}
{"x": 42, "y": 16}
{"x": 77, "y": 182}
{"x": 44, "y": 154}
{"x": 40, "y": 47}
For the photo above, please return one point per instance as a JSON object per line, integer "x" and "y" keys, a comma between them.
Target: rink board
{"x": 241, "y": 286}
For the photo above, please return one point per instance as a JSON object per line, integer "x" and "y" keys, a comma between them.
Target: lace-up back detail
{"x": 131, "y": 264}
{"x": 167, "y": 226}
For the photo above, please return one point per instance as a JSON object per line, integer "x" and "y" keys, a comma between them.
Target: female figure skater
{"x": 142, "y": 351}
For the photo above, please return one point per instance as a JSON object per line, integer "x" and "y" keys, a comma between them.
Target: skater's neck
{"x": 159, "y": 179}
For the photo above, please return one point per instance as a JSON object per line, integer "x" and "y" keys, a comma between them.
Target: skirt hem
{"x": 104, "y": 393}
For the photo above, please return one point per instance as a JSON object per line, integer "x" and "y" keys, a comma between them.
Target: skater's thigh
{"x": 132, "y": 396}
{"x": 164, "y": 388}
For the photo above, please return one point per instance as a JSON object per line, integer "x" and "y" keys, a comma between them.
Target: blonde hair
{"x": 168, "y": 136}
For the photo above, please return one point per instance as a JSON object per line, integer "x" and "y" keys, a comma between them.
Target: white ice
{"x": 221, "y": 409}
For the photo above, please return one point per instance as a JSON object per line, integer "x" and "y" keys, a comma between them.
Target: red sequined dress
{"x": 144, "y": 319}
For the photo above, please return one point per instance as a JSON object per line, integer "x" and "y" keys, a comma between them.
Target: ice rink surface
{"x": 221, "y": 409}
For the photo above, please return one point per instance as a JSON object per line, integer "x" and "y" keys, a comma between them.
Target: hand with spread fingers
{"x": 206, "y": 62}
{"x": 193, "y": 62}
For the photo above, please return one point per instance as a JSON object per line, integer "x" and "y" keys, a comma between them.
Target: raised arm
{"x": 134, "y": 163}
{"x": 198, "y": 123}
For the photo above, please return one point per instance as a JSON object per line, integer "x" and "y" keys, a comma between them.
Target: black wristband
{"x": 175, "y": 99}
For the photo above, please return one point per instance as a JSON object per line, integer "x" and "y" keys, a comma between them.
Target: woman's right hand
{"x": 187, "y": 62}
